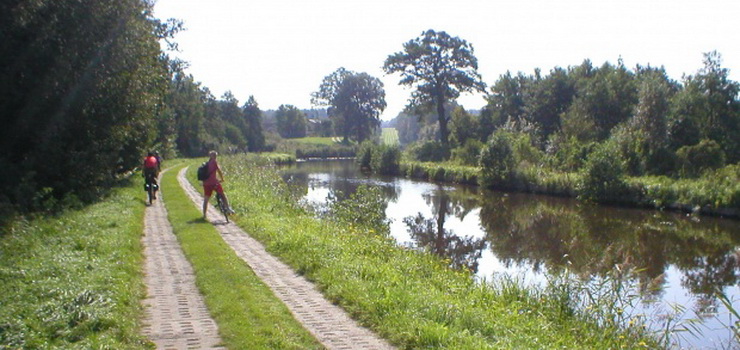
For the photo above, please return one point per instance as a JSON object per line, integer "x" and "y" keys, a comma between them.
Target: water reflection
{"x": 591, "y": 240}
{"x": 675, "y": 258}
{"x": 463, "y": 252}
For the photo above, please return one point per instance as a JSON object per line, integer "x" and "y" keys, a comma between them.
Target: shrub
{"x": 429, "y": 151}
{"x": 386, "y": 160}
{"x": 705, "y": 155}
{"x": 469, "y": 153}
{"x": 365, "y": 154}
{"x": 603, "y": 178}
{"x": 497, "y": 161}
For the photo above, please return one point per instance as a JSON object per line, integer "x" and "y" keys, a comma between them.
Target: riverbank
{"x": 412, "y": 298}
{"x": 716, "y": 193}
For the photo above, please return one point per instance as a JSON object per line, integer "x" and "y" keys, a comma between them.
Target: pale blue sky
{"x": 280, "y": 50}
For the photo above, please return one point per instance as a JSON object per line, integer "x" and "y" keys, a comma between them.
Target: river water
{"x": 676, "y": 262}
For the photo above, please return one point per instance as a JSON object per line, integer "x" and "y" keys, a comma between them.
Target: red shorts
{"x": 208, "y": 189}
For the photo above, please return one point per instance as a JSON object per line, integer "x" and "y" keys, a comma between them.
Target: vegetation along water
{"x": 670, "y": 266}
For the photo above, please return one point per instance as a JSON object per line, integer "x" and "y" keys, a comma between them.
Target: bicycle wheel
{"x": 222, "y": 206}
{"x": 150, "y": 192}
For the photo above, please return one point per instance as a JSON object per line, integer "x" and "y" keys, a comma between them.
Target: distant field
{"x": 390, "y": 136}
{"x": 328, "y": 141}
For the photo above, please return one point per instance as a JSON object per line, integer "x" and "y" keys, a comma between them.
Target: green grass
{"x": 74, "y": 281}
{"x": 249, "y": 316}
{"x": 412, "y": 298}
{"x": 390, "y": 136}
{"x": 327, "y": 141}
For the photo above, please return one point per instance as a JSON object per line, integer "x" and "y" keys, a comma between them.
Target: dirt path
{"x": 326, "y": 321}
{"x": 176, "y": 315}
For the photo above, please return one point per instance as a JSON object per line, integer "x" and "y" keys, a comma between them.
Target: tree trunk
{"x": 444, "y": 133}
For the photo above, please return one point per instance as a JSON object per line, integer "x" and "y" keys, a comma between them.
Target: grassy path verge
{"x": 249, "y": 316}
{"x": 412, "y": 298}
{"x": 74, "y": 281}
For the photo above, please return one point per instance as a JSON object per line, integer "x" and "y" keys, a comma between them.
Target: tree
{"x": 291, "y": 122}
{"x": 253, "y": 118}
{"x": 708, "y": 108}
{"x": 355, "y": 102}
{"x": 547, "y": 98}
{"x": 79, "y": 80}
{"x": 440, "y": 67}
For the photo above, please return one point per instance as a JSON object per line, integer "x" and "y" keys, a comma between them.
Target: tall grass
{"x": 412, "y": 298}
{"x": 73, "y": 281}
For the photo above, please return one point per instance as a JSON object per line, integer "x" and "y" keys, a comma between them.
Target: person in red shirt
{"x": 212, "y": 183}
{"x": 151, "y": 171}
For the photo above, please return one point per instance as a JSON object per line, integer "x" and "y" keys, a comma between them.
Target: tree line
{"x": 86, "y": 91}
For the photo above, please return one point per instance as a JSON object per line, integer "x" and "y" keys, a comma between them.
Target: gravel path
{"x": 176, "y": 315}
{"x": 326, "y": 321}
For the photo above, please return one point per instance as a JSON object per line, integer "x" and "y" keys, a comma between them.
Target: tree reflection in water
{"x": 592, "y": 240}
{"x": 462, "y": 252}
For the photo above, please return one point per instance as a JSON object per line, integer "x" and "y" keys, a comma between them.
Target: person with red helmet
{"x": 151, "y": 172}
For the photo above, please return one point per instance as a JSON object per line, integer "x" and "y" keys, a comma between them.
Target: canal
{"x": 671, "y": 262}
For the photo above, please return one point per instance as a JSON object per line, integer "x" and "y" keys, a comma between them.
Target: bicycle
{"x": 151, "y": 187}
{"x": 221, "y": 205}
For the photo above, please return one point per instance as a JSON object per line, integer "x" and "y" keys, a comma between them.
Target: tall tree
{"x": 253, "y": 117}
{"x": 291, "y": 122}
{"x": 81, "y": 83}
{"x": 355, "y": 101}
{"x": 440, "y": 67}
{"x": 709, "y": 108}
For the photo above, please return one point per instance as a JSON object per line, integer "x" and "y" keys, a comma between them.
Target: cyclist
{"x": 212, "y": 183}
{"x": 151, "y": 171}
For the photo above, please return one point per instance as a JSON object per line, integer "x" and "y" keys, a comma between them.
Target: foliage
{"x": 693, "y": 160}
{"x": 445, "y": 172}
{"x": 468, "y": 153}
{"x": 380, "y": 159}
{"x": 497, "y": 161}
{"x": 355, "y": 102}
{"x": 428, "y": 151}
{"x": 81, "y": 86}
{"x": 204, "y": 123}
{"x": 603, "y": 179}
{"x": 253, "y": 125}
{"x": 291, "y": 122}
{"x": 365, "y": 155}
{"x": 439, "y": 67}
{"x": 386, "y": 160}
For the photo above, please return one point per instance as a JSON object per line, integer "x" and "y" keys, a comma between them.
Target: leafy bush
{"x": 603, "y": 178}
{"x": 705, "y": 155}
{"x": 497, "y": 160}
{"x": 469, "y": 153}
{"x": 429, "y": 151}
{"x": 365, "y": 154}
{"x": 386, "y": 160}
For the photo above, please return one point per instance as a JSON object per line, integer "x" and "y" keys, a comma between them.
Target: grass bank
{"x": 715, "y": 193}
{"x": 412, "y": 298}
{"x": 316, "y": 147}
{"x": 248, "y": 314}
{"x": 73, "y": 281}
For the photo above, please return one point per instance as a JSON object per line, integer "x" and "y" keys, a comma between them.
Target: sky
{"x": 279, "y": 51}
